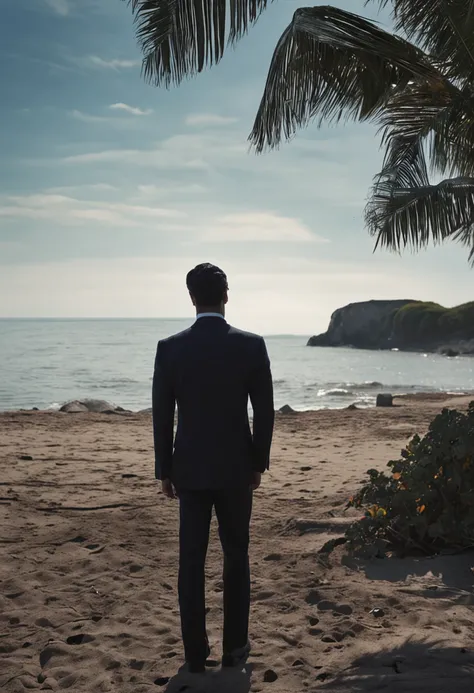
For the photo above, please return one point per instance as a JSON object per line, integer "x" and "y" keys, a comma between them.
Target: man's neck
{"x": 210, "y": 310}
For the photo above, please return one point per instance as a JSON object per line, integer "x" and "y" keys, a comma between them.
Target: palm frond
{"x": 406, "y": 211}
{"x": 440, "y": 114}
{"x": 443, "y": 28}
{"x": 333, "y": 64}
{"x": 179, "y": 38}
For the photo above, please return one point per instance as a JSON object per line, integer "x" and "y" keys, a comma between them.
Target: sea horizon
{"x": 188, "y": 318}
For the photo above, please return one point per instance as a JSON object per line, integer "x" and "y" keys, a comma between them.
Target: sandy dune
{"x": 89, "y": 564}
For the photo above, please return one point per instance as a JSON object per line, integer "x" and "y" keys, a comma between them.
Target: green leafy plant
{"x": 426, "y": 502}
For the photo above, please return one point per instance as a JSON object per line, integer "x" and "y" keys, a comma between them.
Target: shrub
{"x": 426, "y": 503}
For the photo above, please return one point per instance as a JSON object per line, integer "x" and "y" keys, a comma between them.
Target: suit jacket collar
{"x": 209, "y": 322}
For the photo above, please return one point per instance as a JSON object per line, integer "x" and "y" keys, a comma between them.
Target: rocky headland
{"x": 403, "y": 324}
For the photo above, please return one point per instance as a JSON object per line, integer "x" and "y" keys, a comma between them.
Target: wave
{"x": 113, "y": 384}
{"x": 366, "y": 385}
{"x": 335, "y": 392}
{"x": 354, "y": 388}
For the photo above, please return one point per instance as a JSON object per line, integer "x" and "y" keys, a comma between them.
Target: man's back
{"x": 210, "y": 371}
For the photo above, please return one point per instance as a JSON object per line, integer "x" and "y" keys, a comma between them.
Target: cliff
{"x": 402, "y": 324}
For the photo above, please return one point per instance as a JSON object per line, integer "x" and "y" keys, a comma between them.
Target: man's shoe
{"x": 236, "y": 657}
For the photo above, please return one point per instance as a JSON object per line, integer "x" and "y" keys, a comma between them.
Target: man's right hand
{"x": 168, "y": 489}
{"x": 256, "y": 481}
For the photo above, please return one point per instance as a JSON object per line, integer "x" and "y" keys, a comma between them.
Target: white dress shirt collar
{"x": 209, "y": 315}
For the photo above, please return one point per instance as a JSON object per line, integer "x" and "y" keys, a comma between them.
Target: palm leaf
{"x": 333, "y": 64}
{"x": 444, "y": 28}
{"x": 179, "y": 38}
{"x": 406, "y": 211}
{"x": 441, "y": 114}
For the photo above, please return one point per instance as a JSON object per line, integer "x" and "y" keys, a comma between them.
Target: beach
{"x": 89, "y": 564}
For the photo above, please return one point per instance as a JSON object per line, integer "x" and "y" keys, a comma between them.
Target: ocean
{"x": 44, "y": 363}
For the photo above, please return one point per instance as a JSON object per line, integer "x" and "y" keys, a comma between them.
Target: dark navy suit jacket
{"x": 210, "y": 371}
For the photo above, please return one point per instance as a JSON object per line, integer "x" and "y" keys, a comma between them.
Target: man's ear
{"x": 225, "y": 298}
{"x": 192, "y": 299}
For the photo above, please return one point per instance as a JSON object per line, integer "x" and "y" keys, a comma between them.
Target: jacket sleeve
{"x": 261, "y": 398}
{"x": 163, "y": 401}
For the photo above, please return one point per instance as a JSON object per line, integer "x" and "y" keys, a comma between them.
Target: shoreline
{"x": 427, "y": 397}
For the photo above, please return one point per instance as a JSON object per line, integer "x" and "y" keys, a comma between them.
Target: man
{"x": 215, "y": 461}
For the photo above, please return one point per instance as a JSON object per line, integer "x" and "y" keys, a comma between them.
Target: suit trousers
{"x": 233, "y": 509}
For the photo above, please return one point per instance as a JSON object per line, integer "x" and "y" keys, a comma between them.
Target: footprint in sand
{"x": 315, "y": 632}
{"x": 171, "y": 640}
{"x": 50, "y": 651}
{"x": 80, "y": 639}
{"x": 337, "y": 609}
{"x": 7, "y": 648}
{"x": 328, "y": 638}
{"x": 137, "y": 664}
{"x": 14, "y": 595}
{"x": 170, "y": 655}
{"x": 162, "y": 681}
{"x": 77, "y": 540}
{"x": 337, "y": 636}
{"x": 270, "y": 676}
{"x": 313, "y": 598}
{"x": 95, "y": 548}
{"x": 264, "y": 595}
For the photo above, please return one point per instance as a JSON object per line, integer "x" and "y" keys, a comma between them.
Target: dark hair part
{"x": 207, "y": 284}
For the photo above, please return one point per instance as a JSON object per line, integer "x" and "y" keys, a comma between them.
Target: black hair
{"x": 207, "y": 284}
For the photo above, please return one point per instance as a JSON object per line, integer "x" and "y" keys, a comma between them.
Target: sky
{"x": 111, "y": 189}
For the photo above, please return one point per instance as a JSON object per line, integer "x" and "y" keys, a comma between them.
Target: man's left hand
{"x": 168, "y": 489}
{"x": 256, "y": 481}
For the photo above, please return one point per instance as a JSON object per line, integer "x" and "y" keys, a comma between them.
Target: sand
{"x": 89, "y": 565}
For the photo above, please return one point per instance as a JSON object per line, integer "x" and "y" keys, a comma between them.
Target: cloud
{"x": 263, "y": 227}
{"x": 111, "y": 64}
{"x": 196, "y": 223}
{"x": 125, "y": 122}
{"x": 60, "y": 6}
{"x": 130, "y": 109}
{"x": 65, "y": 210}
{"x": 182, "y": 190}
{"x": 190, "y": 151}
{"x": 208, "y": 119}
{"x": 74, "y": 189}
{"x": 88, "y": 118}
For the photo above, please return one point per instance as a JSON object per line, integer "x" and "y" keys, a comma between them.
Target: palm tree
{"x": 330, "y": 65}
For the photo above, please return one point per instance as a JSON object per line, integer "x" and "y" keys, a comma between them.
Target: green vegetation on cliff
{"x": 427, "y": 323}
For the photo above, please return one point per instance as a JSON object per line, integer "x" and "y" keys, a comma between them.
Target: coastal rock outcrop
{"x": 96, "y": 406}
{"x": 401, "y": 324}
